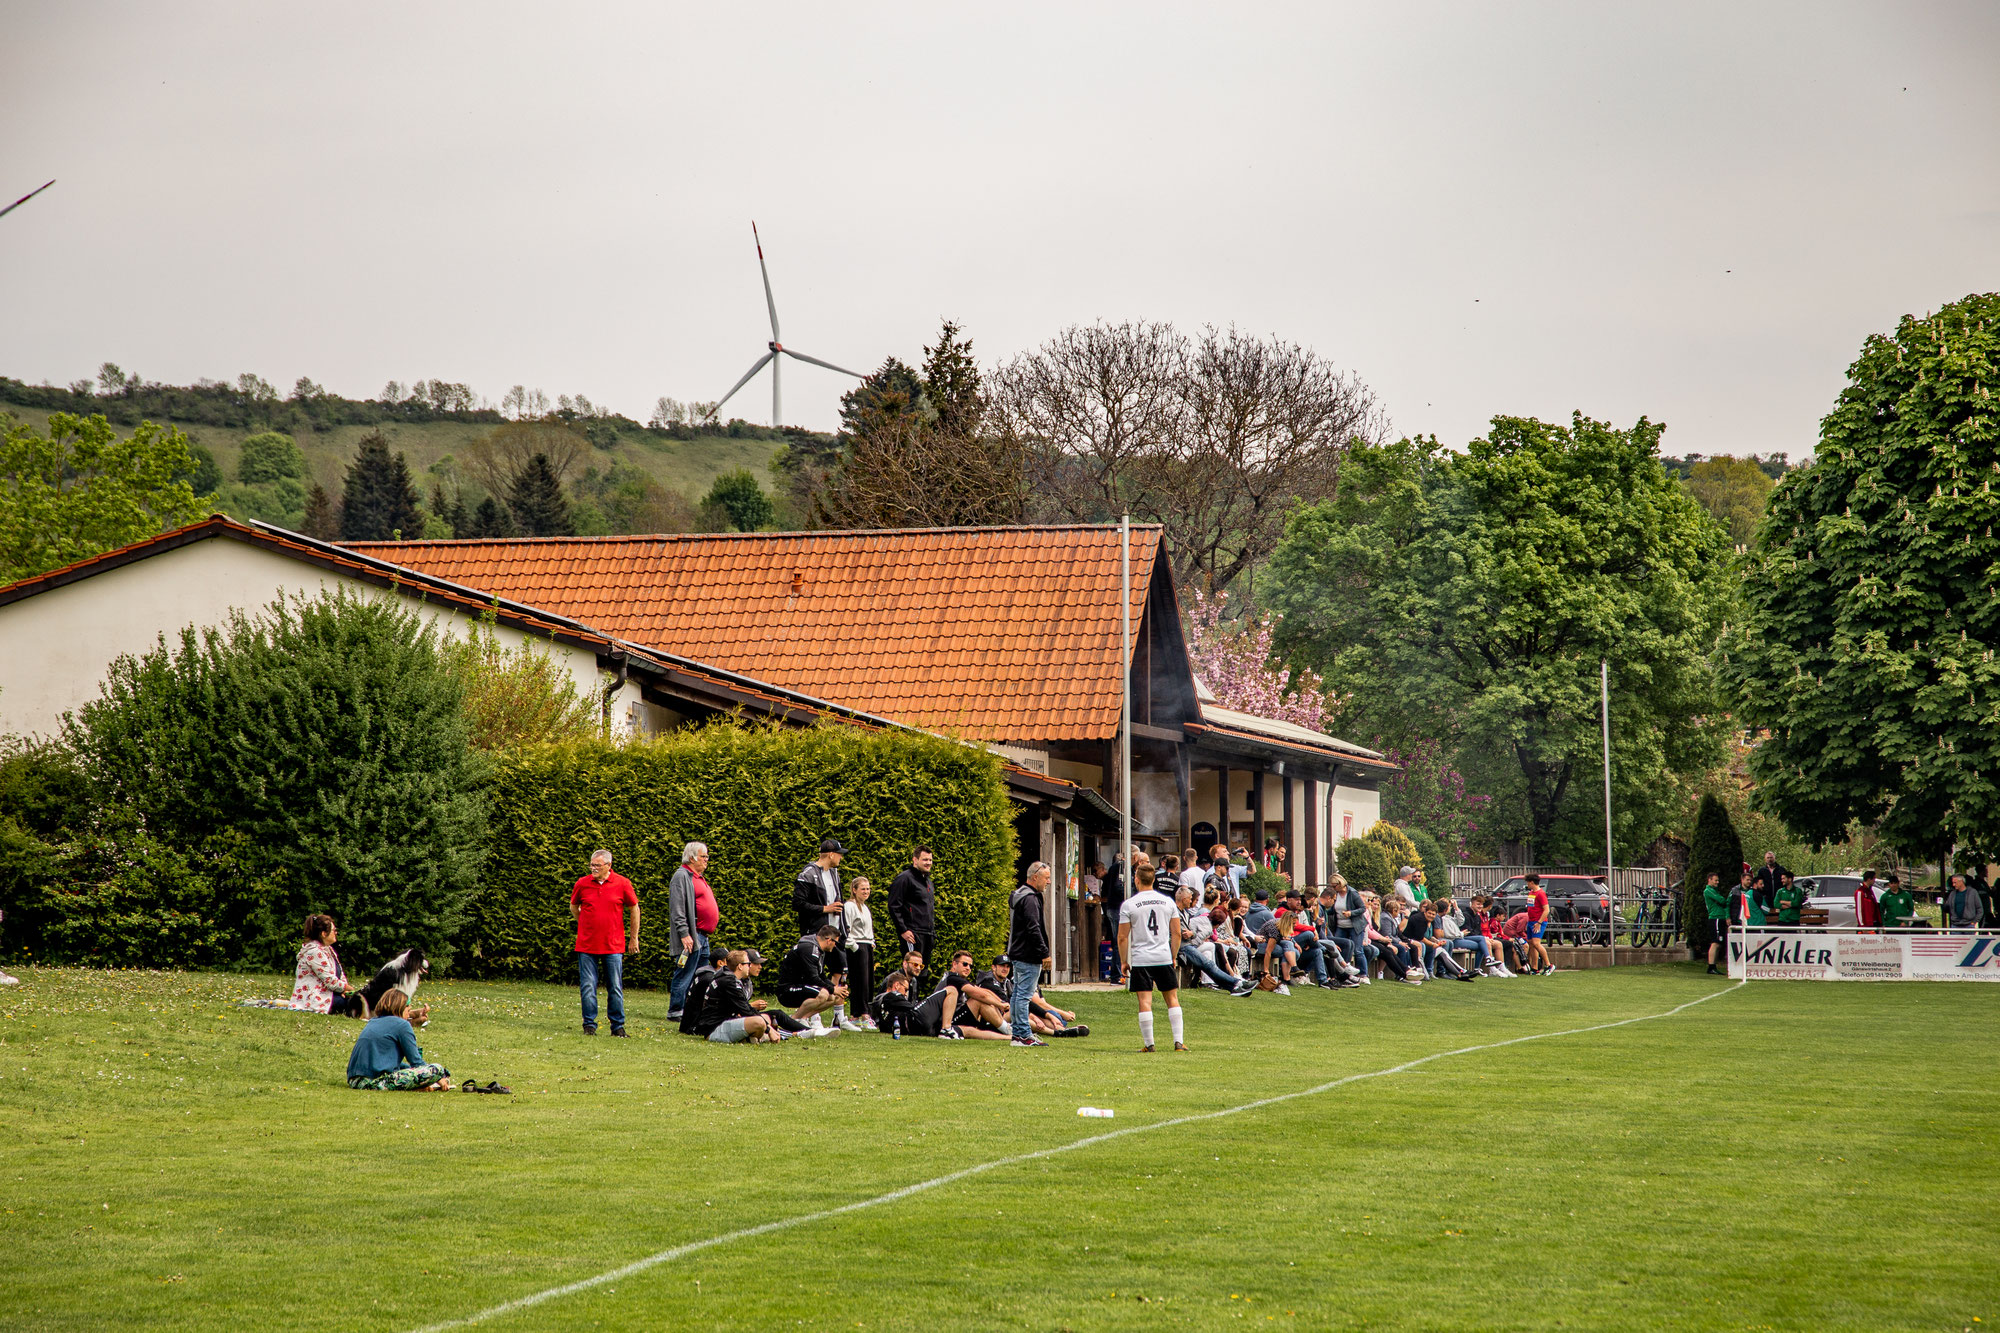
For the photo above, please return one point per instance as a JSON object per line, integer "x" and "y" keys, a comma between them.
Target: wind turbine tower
{"x": 774, "y": 350}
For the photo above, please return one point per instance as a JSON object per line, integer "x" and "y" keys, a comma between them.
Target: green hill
{"x": 218, "y": 418}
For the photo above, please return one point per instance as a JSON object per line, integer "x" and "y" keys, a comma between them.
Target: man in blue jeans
{"x": 690, "y": 903}
{"x": 1027, "y": 949}
{"x": 597, "y": 902}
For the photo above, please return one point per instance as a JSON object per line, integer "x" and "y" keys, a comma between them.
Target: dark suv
{"x": 1579, "y": 908}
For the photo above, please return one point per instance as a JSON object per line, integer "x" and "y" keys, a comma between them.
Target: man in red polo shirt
{"x": 597, "y": 902}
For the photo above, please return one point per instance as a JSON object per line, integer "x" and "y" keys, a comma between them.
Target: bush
{"x": 761, "y": 799}
{"x": 1395, "y": 844}
{"x": 331, "y": 735}
{"x": 1715, "y": 847}
{"x": 1263, "y": 877}
{"x": 1437, "y": 870}
{"x": 517, "y": 696}
{"x": 1364, "y": 864}
{"x": 43, "y": 796}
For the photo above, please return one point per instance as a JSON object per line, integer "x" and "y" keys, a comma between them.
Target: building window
{"x": 1346, "y": 823}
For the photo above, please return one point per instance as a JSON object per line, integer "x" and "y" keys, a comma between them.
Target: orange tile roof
{"x": 999, "y": 633}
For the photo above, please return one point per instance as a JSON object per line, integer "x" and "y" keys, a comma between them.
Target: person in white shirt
{"x": 860, "y": 923}
{"x": 1192, "y": 875}
{"x": 1149, "y": 939}
{"x": 1401, "y": 888}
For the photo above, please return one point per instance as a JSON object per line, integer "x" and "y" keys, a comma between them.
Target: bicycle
{"x": 1658, "y": 923}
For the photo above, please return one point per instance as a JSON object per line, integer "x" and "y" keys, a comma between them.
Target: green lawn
{"x": 1784, "y": 1156}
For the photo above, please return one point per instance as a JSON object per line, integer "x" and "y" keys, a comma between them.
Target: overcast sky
{"x": 1692, "y": 212}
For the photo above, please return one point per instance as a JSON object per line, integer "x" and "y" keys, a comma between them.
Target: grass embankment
{"x": 1784, "y": 1156}
{"x": 687, "y": 466}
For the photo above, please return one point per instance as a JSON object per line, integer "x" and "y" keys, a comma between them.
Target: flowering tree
{"x": 1429, "y": 794}
{"x": 1233, "y": 658}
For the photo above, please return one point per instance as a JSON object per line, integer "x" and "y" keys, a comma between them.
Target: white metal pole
{"x": 1610, "y": 872}
{"x": 1125, "y": 711}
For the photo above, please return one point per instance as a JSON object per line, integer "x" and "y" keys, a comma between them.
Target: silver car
{"x": 1834, "y": 895}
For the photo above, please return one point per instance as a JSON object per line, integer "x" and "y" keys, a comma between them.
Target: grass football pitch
{"x": 1781, "y": 1156}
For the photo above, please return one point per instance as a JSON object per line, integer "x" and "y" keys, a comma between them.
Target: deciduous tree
{"x": 1216, "y": 436}
{"x": 1872, "y": 597}
{"x": 81, "y": 490}
{"x": 1734, "y": 490}
{"x": 1468, "y": 597}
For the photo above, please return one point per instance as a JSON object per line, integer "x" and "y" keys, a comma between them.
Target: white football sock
{"x": 1174, "y": 1022}
{"x": 1146, "y": 1027}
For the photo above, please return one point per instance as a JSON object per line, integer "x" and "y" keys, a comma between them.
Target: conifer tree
{"x": 1716, "y": 847}
{"x": 490, "y": 519}
{"x": 536, "y": 499}
{"x": 378, "y": 499}
{"x": 322, "y": 519}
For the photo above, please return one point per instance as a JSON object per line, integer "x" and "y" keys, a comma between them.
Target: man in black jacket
{"x": 729, "y": 1014}
{"x": 803, "y": 982}
{"x": 714, "y": 961}
{"x": 816, "y": 899}
{"x": 901, "y": 1016}
{"x": 1027, "y": 949}
{"x": 913, "y": 905}
{"x": 1769, "y": 880}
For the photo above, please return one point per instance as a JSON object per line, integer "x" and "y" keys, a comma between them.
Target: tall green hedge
{"x": 1437, "y": 870}
{"x": 761, "y": 799}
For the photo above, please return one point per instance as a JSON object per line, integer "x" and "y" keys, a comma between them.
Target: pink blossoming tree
{"x": 1233, "y": 658}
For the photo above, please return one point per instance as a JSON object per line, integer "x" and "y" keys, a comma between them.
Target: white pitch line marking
{"x": 638, "y": 1266}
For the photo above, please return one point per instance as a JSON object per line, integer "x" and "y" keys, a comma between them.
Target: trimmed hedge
{"x": 761, "y": 799}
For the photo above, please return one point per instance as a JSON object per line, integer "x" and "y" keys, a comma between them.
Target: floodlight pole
{"x": 1125, "y": 707}
{"x": 1610, "y": 872}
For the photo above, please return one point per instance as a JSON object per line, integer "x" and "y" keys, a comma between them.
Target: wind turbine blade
{"x": 32, "y": 193}
{"x": 770, "y": 302}
{"x": 747, "y": 375}
{"x": 825, "y": 365}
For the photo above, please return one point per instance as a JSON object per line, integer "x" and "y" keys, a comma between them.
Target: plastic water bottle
{"x": 1096, "y": 1112}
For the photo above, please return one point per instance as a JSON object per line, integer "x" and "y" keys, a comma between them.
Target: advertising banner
{"x": 1780, "y": 954}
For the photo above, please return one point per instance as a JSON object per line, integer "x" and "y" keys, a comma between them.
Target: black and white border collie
{"x": 405, "y": 972}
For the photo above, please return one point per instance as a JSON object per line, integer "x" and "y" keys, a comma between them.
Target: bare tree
{"x": 1215, "y": 437}
{"x": 499, "y": 457}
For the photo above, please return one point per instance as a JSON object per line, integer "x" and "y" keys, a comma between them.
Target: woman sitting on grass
{"x": 386, "y": 1057}
{"x": 321, "y": 985}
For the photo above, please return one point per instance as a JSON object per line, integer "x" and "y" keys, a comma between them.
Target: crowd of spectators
{"x": 1340, "y": 937}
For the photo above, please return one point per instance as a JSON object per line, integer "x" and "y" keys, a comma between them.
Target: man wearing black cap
{"x": 816, "y": 898}
{"x": 913, "y": 906}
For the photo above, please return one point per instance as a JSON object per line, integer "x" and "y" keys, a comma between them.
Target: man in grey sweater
{"x": 1963, "y": 906}
{"x": 685, "y": 935}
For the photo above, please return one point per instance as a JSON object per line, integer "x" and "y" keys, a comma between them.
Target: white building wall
{"x": 56, "y": 646}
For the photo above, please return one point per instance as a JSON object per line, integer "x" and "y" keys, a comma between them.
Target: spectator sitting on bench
{"x": 1269, "y": 941}
{"x": 1403, "y": 959}
{"x": 1198, "y": 947}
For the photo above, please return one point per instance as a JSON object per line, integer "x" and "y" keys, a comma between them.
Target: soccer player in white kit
{"x": 1149, "y": 940}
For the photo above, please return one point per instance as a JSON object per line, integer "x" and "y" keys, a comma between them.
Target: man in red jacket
{"x": 597, "y": 903}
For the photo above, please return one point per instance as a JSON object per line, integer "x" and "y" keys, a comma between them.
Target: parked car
{"x": 1834, "y": 895}
{"x": 1579, "y": 908}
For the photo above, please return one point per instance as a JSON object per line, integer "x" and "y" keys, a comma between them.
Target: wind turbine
{"x": 30, "y": 195}
{"x": 776, "y": 349}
